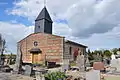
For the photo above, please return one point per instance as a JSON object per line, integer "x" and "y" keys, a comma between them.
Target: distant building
{"x": 42, "y": 45}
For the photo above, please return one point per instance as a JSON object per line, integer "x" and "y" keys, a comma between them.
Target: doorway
{"x": 34, "y": 58}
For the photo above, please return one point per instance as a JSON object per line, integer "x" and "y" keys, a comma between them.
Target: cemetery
{"x": 81, "y": 70}
{"x": 44, "y": 56}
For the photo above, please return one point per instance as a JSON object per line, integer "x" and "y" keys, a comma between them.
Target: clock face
{"x": 35, "y": 43}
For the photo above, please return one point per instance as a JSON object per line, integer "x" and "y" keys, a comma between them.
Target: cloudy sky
{"x": 95, "y": 23}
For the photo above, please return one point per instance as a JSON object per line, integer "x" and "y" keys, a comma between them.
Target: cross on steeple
{"x": 44, "y": 3}
{"x": 43, "y": 22}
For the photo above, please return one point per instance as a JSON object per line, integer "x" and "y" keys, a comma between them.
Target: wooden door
{"x": 34, "y": 58}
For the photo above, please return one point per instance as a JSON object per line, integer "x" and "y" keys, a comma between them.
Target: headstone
{"x": 113, "y": 56}
{"x": 65, "y": 64}
{"x": 118, "y": 67}
{"x": 105, "y": 62}
{"x": 80, "y": 62}
{"x": 87, "y": 63}
{"x": 93, "y": 75}
{"x": 18, "y": 63}
{"x": 28, "y": 70}
{"x": 116, "y": 64}
{"x": 39, "y": 76}
{"x": 98, "y": 66}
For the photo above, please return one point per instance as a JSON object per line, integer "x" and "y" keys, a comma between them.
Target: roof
{"x": 44, "y": 15}
{"x": 35, "y": 50}
{"x": 74, "y": 43}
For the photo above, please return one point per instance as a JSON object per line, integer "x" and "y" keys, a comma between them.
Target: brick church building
{"x": 42, "y": 45}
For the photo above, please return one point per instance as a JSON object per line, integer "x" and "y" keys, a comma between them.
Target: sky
{"x": 94, "y": 23}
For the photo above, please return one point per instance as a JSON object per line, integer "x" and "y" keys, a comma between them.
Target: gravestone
{"x": 98, "y": 66}
{"x": 80, "y": 62}
{"x": 65, "y": 64}
{"x": 115, "y": 63}
{"x": 115, "y": 67}
{"x": 18, "y": 63}
{"x": 113, "y": 56}
{"x": 39, "y": 76}
{"x": 93, "y": 75}
{"x": 28, "y": 70}
{"x": 87, "y": 63}
{"x": 106, "y": 62}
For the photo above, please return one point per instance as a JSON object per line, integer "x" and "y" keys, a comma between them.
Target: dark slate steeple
{"x": 43, "y": 22}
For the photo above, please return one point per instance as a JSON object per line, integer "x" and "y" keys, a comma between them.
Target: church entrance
{"x": 34, "y": 58}
{"x": 35, "y": 55}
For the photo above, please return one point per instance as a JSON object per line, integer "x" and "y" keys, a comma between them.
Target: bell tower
{"x": 43, "y": 22}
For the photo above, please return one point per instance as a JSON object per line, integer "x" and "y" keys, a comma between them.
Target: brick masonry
{"x": 73, "y": 47}
{"x": 50, "y": 45}
{"x": 54, "y": 48}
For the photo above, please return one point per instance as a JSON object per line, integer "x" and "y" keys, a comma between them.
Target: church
{"x": 42, "y": 45}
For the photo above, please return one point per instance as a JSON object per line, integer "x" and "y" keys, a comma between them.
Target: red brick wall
{"x": 50, "y": 45}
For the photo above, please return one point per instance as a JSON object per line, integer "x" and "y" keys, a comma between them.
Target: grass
{"x": 112, "y": 78}
{"x": 73, "y": 64}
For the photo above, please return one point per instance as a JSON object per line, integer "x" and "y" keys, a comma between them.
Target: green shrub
{"x": 55, "y": 76}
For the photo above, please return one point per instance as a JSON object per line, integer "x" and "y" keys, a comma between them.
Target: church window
{"x": 70, "y": 50}
{"x": 39, "y": 27}
{"x": 35, "y": 43}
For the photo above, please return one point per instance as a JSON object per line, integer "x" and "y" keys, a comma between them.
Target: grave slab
{"x": 93, "y": 75}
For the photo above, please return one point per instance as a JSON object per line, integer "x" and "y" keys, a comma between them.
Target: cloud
{"x": 13, "y": 33}
{"x": 85, "y": 17}
{"x": 93, "y": 22}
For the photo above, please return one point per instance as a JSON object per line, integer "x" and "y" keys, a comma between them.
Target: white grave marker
{"x": 113, "y": 56}
{"x": 93, "y": 75}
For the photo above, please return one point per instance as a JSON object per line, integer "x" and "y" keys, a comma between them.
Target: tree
{"x": 107, "y": 53}
{"x": 114, "y": 50}
{"x": 90, "y": 56}
{"x": 98, "y": 52}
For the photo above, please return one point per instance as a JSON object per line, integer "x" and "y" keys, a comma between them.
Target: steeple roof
{"x": 44, "y": 15}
